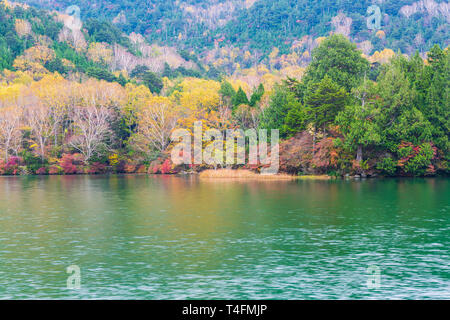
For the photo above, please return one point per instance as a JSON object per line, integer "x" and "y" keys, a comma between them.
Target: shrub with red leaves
{"x": 162, "y": 167}
{"x": 11, "y": 167}
{"x": 130, "y": 168}
{"x": 296, "y": 153}
{"x": 153, "y": 169}
{"x": 417, "y": 160}
{"x": 67, "y": 164}
{"x": 41, "y": 171}
{"x": 166, "y": 167}
{"x": 97, "y": 168}
{"x": 322, "y": 158}
{"x": 54, "y": 169}
{"x": 141, "y": 169}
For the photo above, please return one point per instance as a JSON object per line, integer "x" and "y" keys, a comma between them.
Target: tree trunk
{"x": 359, "y": 153}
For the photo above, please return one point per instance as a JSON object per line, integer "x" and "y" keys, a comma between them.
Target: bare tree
{"x": 156, "y": 123}
{"x": 38, "y": 118}
{"x": 91, "y": 129}
{"x": 10, "y": 133}
{"x": 122, "y": 59}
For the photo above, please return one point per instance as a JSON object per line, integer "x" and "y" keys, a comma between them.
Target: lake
{"x": 166, "y": 237}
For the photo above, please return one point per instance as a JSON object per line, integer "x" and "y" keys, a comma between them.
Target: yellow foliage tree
{"x": 155, "y": 123}
{"x": 380, "y": 34}
{"x": 382, "y": 57}
{"x": 100, "y": 53}
{"x": 23, "y": 27}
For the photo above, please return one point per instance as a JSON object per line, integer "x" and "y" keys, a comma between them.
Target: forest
{"x": 260, "y": 25}
{"x": 101, "y": 101}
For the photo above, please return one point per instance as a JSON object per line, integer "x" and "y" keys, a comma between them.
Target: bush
{"x": 130, "y": 168}
{"x": 71, "y": 163}
{"x": 387, "y": 166}
{"x": 11, "y": 167}
{"x": 32, "y": 161}
{"x": 420, "y": 164}
{"x": 41, "y": 171}
{"x": 162, "y": 167}
{"x": 141, "y": 169}
{"x": 97, "y": 168}
{"x": 54, "y": 169}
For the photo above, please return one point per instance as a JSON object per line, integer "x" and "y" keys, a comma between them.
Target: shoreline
{"x": 234, "y": 175}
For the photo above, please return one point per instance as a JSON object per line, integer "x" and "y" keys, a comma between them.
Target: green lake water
{"x": 145, "y": 237}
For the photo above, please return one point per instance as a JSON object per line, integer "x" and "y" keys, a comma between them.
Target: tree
{"x": 247, "y": 116}
{"x": 90, "y": 129}
{"x": 38, "y": 118}
{"x": 274, "y": 116}
{"x": 54, "y": 92}
{"x": 227, "y": 92}
{"x": 357, "y": 121}
{"x": 140, "y": 70}
{"x": 101, "y": 74}
{"x": 339, "y": 59}
{"x": 153, "y": 82}
{"x": 213, "y": 73}
{"x": 197, "y": 96}
{"x": 56, "y": 65}
{"x": 323, "y": 101}
{"x": 295, "y": 120}
{"x": 167, "y": 71}
{"x": 437, "y": 102}
{"x": 10, "y": 133}
{"x": 398, "y": 118}
{"x": 239, "y": 98}
{"x": 257, "y": 95}
{"x": 100, "y": 53}
{"x": 156, "y": 122}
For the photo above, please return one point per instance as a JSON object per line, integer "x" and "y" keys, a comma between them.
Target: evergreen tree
{"x": 227, "y": 93}
{"x": 275, "y": 115}
{"x": 295, "y": 120}
{"x": 55, "y": 65}
{"x": 226, "y": 90}
{"x": 339, "y": 59}
{"x": 398, "y": 118}
{"x": 437, "y": 98}
{"x": 323, "y": 101}
{"x": 240, "y": 98}
{"x": 153, "y": 82}
{"x": 257, "y": 95}
{"x": 121, "y": 80}
{"x": 139, "y": 71}
{"x": 356, "y": 121}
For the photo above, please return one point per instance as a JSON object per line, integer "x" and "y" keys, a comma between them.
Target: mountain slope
{"x": 263, "y": 24}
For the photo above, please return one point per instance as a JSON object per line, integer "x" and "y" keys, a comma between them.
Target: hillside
{"x": 38, "y": 41}
{"x": 260, "y": 25}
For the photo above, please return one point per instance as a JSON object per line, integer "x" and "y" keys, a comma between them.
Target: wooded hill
{"x": 263, "y": 24}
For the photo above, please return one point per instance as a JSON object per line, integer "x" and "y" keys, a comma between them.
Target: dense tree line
{"x": 334, "y": 120}
{"x": 397, "y": 124}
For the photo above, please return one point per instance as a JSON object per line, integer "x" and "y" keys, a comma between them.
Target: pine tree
{"x": 257, "y": 95}
{"x": 323, "y": 101}
{"x": 283, "y": 112}
{"x": 339, "y": 59}
{"x": 239, "y": 98}
{"x": 356, "y": 121}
